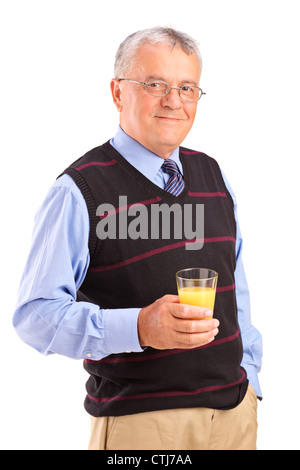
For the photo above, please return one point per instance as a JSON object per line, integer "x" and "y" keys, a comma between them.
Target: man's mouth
{"x": 169, "y": 118}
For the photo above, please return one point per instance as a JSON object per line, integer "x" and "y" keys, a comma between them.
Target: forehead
{"x": 166, "y": 63}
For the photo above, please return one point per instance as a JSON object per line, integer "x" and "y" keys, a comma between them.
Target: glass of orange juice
{"x": 197, "y": 286}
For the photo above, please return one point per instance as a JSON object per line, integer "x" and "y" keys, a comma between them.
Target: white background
{"x": 56, "y": 64}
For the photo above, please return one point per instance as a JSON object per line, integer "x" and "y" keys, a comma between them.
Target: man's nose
{"x": 172, "y": 99}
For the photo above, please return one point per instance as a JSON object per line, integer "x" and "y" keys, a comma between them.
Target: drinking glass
{"x": 197, "y": 286}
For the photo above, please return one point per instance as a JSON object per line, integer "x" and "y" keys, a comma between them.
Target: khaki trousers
{"x": 181, "y": 429}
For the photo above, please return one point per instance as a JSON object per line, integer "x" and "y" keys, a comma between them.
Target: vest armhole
{"x": 222, "y": 182}
{"x": 91, "y": 206}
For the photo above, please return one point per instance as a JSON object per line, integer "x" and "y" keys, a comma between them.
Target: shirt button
{"x": 88, "y": 355}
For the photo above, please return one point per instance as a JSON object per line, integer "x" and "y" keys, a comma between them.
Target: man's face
{"x": 158, "y": 123}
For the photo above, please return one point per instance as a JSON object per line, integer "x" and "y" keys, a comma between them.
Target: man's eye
{"x": 187, "y": 88}
{"x": 155, "y": 85}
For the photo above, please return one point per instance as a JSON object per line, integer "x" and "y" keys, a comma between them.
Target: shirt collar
{"x": 145, "y": 161}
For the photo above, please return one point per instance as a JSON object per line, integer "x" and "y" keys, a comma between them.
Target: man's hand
{"x": 167, "y": 324}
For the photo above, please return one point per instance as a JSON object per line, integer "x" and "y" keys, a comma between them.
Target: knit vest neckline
{"x": 144, "y": 181}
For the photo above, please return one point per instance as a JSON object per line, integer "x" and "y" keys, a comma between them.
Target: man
{"x": 100, "y": 284}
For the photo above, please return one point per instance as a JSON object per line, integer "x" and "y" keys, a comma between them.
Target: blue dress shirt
{"x": 49, "y": 318}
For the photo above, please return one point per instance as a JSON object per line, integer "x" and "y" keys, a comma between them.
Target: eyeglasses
{"x": 161, "y": 88}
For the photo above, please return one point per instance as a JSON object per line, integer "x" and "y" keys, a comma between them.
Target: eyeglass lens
{"x": 159, "y": 88}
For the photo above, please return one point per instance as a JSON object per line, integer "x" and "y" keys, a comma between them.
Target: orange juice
{"x": 199, "y": 296}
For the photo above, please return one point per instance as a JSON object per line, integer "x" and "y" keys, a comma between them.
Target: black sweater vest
{"x": 128, "y": 273}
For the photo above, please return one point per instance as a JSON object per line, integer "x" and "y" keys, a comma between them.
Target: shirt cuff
{"x": 253, "y": 379}
{"x": 121, "y": 330}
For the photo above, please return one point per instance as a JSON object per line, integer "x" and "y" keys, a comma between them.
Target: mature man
{"x": 162, "y": 375}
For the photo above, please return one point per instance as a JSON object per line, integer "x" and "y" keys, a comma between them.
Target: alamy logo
{"x": 154, "y": 221}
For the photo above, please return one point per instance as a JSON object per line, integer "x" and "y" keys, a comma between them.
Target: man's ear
{"x": 116, "y": 93}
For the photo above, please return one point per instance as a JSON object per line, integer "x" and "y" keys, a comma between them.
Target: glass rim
{"x": 170, "y": 87}
{"x": 196, "y": 278}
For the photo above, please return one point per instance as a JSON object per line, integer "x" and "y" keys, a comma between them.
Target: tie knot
{"x": 170, "y": 167}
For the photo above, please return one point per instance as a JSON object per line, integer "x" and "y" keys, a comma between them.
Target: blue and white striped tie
{"x": 175, "y": 185}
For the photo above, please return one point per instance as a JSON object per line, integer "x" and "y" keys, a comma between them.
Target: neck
{"x": 161, "y": 150}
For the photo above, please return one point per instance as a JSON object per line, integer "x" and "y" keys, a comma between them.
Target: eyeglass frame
{"x": 170, "y": 88}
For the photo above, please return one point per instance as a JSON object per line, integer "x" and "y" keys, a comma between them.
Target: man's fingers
{"x": 188, "y": 341}
{"x": 196, "y": 326}
{"x": 184, "y": 311}
{"x": 170, "y": 298}
{"x": 194, "y": 340}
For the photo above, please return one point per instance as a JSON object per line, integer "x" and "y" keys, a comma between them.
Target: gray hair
{"x": 157, "y": 35}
